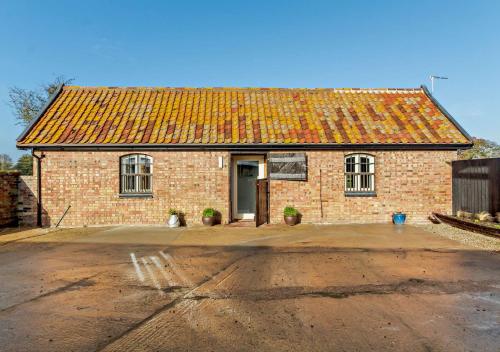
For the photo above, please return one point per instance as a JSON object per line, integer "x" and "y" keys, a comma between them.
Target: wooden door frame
{"x": 257, "y": 201}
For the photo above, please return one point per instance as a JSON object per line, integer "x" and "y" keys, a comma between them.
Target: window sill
{"x": 360, "y": 194}
{"x": 135, "y": 195}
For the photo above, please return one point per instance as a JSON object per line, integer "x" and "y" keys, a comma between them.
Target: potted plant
{"x": 173, "y": 220}
{"x": 291, "y": 215}
{"x": 209, "y": 216}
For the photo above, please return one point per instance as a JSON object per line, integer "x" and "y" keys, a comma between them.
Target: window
{"x": 359, "y": 174}
{"x": 136, "y": 174}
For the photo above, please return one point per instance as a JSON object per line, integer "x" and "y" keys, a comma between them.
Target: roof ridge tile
{"x": 263, "y": 89}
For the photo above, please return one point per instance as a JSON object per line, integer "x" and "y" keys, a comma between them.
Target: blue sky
{"x": 258, "y": 43}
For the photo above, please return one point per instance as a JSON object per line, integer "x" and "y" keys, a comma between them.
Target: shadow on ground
{"x": 315, "y": 288}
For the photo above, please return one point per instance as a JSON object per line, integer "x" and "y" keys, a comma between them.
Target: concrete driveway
{"x": 306, "y": 288}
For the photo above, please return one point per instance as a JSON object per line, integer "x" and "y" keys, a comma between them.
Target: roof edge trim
{"x": 49, "y": 102}
{"x": 250, "y": 147}
{"x": 445, "y": 112}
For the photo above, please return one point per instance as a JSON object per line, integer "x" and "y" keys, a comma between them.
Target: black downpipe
{"x": 39, "y": 187}
{"x": 230, "y": 213}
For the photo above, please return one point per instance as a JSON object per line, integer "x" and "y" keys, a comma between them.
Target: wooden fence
{"x": 476, "y": 185}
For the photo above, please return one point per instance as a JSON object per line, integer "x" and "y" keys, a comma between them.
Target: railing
{"x": 359, "y": 182}
{"x": 136, "y": 183}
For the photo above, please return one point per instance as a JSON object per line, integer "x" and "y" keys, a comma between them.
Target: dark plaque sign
{"x": 288, "y": 166}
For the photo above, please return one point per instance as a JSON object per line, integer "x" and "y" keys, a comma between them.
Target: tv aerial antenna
{"x": 432, "y": 78}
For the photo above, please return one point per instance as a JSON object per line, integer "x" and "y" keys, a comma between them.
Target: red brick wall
{"x": 27, "y": 201}
{"x": 89, "y": 182}
{"x": 416, "y": 182}
{"x": 8, "y": 198}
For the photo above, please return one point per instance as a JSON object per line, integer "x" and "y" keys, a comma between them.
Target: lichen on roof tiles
{"x": 190, "y": 116}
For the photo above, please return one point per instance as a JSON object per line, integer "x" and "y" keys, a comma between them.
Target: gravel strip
{"x": 466, "y": 237}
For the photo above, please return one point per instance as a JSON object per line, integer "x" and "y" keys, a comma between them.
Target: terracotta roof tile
{"x": 111, "y": 115}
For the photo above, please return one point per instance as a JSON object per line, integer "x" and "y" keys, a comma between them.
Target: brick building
{"x": 126, "y": 155}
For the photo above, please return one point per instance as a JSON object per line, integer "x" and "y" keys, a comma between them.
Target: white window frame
{"x": 135, "y": 182}
{"x": 359, "y": 174}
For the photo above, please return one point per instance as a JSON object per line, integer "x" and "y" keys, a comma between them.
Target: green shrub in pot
{"x": 291, "y": 215}
{"x": 209, "y": 216}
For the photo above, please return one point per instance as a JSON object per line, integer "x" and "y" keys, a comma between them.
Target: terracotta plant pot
{"x": 290, "y": 220}
{"x": 208, "y": 220}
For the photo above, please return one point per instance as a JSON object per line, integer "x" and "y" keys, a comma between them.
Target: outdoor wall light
{"x": 221, "y": 162}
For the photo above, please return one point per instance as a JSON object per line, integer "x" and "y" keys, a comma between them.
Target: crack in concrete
{"x": 85, "y": 282}
{"x": 19, "y": 239}
{"x": 348, "y": 250}
{"x": 23, "y": 238}
{"x": 410, "y": 286}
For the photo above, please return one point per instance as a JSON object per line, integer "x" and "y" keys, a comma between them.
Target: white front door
{"x": 246, "y": 170}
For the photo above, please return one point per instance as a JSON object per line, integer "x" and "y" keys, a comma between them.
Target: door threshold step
{"x": 242, "y": 223}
